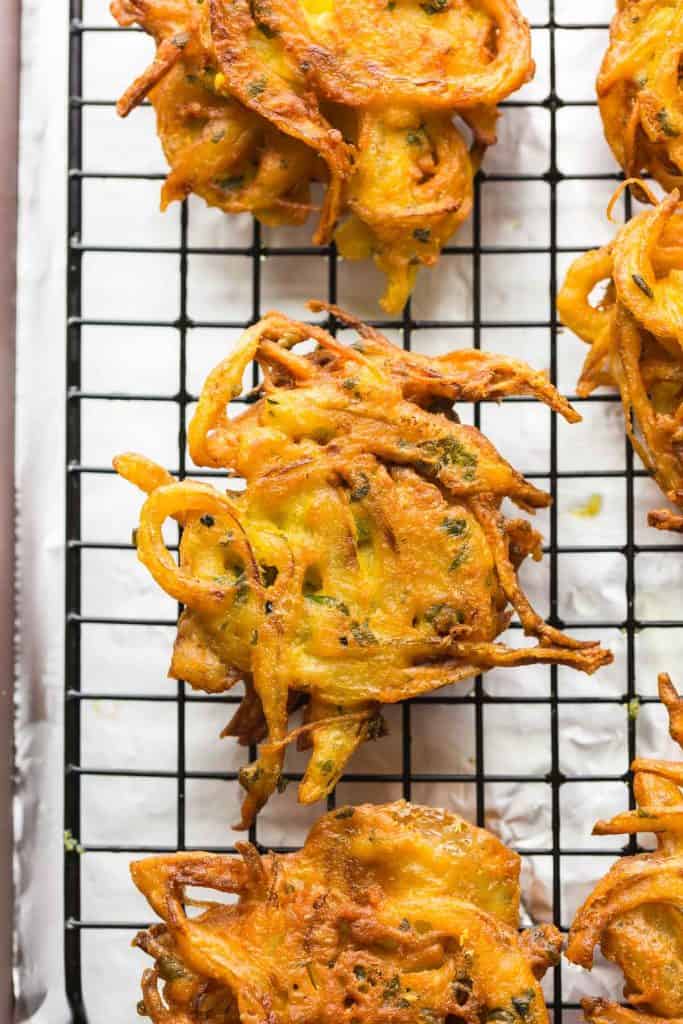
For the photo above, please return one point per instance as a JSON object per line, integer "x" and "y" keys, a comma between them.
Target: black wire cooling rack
{"x": 80, "y": 690}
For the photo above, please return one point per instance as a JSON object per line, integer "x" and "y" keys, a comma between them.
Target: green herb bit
{"x": 327, "y": 767}
{"x": 345, "y": 812}
{"x": 454, "y": 527}
{"x": 643, "y": 285}
{"x": 414, "y": 138}
{"x": 435, "y": 6}
{"x": 422, "y": 234}
{"x": 634, "y": 708}
{"x": 460, "y": 559}
{"x": 361, "y": 488}
{"x": 362, "y": 634}
{"x": 505, "y": 1016}
{"x": 358, "y": 969}
{"x": 449, "y": 451}
{"x": 171, "y": 968}
{"x": 231, "y": 184}
{"x": 363, "y": 534}
{"x": 257, "y": 87}
{"x": 71, "y": 845}
{"x": 328, "y": 602}
{"x": 241, "y": 587}
{"x": 666, "y": 125}
{"x": 376, "y": 727}
{"x": 522, "y": 1003}
{"x": 392, "y": 989}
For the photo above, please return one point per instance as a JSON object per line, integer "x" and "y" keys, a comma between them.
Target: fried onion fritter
{"x": 636, "y": 336}
{"x": 366, "y": 561}
{"x": 255, "y": 99}
{"x": 639, "y": 90}
{"x": 634, "y": 913}
{"x": 389, "y": 914}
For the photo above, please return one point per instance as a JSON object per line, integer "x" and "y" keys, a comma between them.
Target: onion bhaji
{"x": 255, "y": 99}
{"x": 392, "y": 913}
{"x": 366, "y": 561}
{"x": 636, "y": 336}
{"x": 639, "y": 89}
{"x": 634, "y": 913}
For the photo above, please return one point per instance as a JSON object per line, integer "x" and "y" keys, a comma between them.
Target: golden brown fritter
{"x": 639, "y": 89}
{"x": 634, "y": 912}
{"x": 366, "y": 561}
{"x": 636, "y": 332}
{"x": 215, "y": 146}
{"x": 257, "y": 98}
{"x": 392, "y": 913}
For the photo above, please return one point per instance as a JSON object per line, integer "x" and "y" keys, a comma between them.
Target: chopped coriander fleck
{"x": 257, "y": 87}
{"x": 362, "y": 634}
{"x": 643, "y": 285}
{"x": 392, "y": 989}
{"x": 231, "y": 184}
{"x": 361, "y": 488}
{"x": 422, "y": 234}
{"x": 634, "y": 708}
{"x": 328, "y": 602}
{"x": 170, "y": 967}
{"x": 454, "y": 527}
{"x": 522, "y": 1002}
{"x": 460, "y": 558}
{"x": 666, "y": 125}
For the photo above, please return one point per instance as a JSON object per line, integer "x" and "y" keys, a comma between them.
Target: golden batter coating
{"x": 636, "y": 335}
{"x": 639, "y": 90}
{"x": 257, "y": 98}
{"x": 366, "y": 561}
{"x": 392, "y": 913}
{"x": 634, "y": 912}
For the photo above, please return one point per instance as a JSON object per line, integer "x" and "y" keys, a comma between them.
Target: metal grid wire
{"x": 79, "y": 690}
